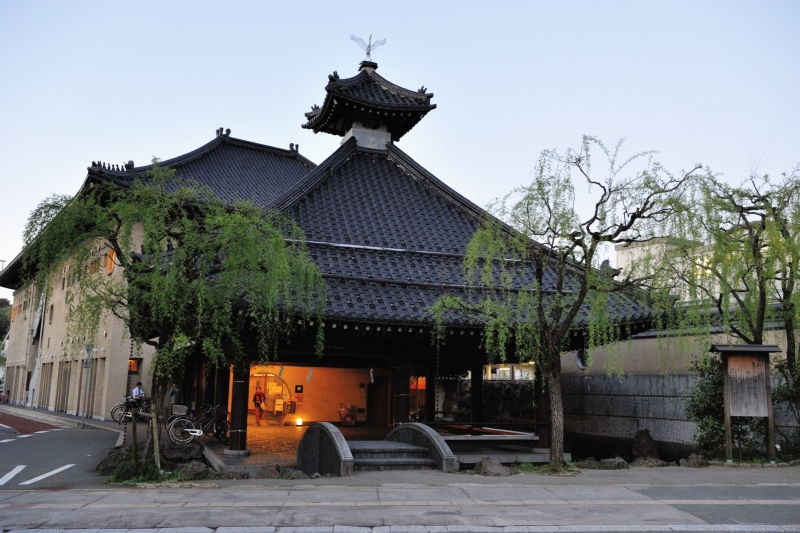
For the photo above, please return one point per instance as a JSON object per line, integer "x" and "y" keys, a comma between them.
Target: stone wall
{"x": 607, "y": 410}
{"x": 619, "y": 407}
{"x": 601, "y": 413}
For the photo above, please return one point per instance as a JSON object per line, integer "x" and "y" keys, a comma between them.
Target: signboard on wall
{"x": 746, "y": 388}
{"x": 747, "y": 385}
{"x": 133, "y": 366}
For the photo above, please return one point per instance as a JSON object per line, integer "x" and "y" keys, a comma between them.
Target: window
{"x": 50, "y": 321}
{"x": 110, "y": 261}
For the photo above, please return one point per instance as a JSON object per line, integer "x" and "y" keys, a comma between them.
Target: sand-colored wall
{"x": 654, "y": 356}
{"x": 55, "y": 360}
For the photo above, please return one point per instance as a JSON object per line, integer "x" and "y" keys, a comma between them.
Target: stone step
{"x": 398, "y": 463}
{"x": 389, "y": 455}
{"x": 383, "y": 446}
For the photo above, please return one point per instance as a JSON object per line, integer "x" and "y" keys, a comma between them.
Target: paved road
{"x": 595, "y": 501}
{"x": 34, "y": 455}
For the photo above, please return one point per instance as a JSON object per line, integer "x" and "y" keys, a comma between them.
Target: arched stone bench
{"x": 323, "y": 450}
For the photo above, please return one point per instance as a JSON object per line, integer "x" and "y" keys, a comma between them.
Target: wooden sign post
{"x": 746, "y": 388}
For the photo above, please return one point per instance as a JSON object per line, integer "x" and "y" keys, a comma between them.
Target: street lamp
{"x": 87, "y": 365}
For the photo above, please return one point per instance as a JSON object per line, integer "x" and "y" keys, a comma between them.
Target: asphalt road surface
{"x": 35, "y": 455}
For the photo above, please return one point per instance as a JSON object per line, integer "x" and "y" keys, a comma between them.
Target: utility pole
{"x": 87, "y": 365}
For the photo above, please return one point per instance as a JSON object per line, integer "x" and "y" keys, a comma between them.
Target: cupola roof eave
{"x": 369, "y": 97}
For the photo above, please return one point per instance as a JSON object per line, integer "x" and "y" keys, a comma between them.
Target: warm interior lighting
{"x": 298, "y": 421}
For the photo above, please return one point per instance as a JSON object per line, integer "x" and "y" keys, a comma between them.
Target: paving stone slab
{"x": 305, "y": 529}
{"x": 185, "y": 530}
{"x": 37, "y": 530}
{"x": 265, "y": 529}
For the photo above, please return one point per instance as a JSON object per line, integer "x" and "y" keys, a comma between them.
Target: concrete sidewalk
{"x": 710, "y": 499}
{"x": 428, "y": 529}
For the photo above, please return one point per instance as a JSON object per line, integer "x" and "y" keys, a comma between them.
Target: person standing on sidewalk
{"x": 258, "y": 402}
{"x": 176, "y": 394}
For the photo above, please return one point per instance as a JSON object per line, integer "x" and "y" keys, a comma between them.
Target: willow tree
{"x": 541, "y": 256}
{"x": 191, "y": 271}
{"x": 738, "y": 263}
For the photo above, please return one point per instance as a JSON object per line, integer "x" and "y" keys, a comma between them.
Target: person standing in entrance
{"x": 258, "y": 401}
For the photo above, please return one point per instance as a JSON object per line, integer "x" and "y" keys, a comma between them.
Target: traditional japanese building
{"x": 388, "y": 237}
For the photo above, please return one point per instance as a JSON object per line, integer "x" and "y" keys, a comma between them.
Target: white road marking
{"x": 17, "y": 470}
{"x": 7, "y": 440}
{"x": 45, "y": 431}
{"x": 56, "y": 471}
{"x": 5, "y": 426}
{"x": 23, "y": 436}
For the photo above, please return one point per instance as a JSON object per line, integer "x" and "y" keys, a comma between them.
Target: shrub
{"x": 703, "y": 405}
{"x": 134, "y": 471}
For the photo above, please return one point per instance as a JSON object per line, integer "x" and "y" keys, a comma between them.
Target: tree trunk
{"x": 791, "y": 346}
{"x": 556, "y": 418}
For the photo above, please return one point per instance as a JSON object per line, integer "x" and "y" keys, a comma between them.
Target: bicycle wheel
{"x": 221, "y": 429}
{"x": 169, "y": 420}
{"x": 179, "y": 431}
{"x": 124, "y": 415}
{"x": 116, "y": 411}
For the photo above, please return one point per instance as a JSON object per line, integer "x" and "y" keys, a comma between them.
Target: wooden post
{"x": 726, "y": 401}
{"x": 476, "y": 389}
{"x": 134, "y": 421}
{"x": 402, "y": 378}
{"x": 156, "y": 431}
{"x": 239, "y": 405}
{"x": 430, "y": 391}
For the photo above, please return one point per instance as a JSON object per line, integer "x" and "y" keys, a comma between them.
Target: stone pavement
{"x": 639, "y": 499}
{"x": 663, "y": 499}
{"x": 427, "y": 529}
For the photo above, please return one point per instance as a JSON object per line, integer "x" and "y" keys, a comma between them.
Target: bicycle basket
{"x": 179, "y": 409}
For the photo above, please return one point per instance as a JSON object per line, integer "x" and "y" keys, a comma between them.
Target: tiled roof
{"x": 367, "y": 95}
{"x": 390, "y": 238}
{"x": 234, "y": 169}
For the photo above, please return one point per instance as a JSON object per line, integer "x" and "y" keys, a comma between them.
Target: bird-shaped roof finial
{"x": 370, "y": 46}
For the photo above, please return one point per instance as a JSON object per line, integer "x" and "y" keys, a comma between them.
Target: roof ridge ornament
{"x": 370, "y": 46}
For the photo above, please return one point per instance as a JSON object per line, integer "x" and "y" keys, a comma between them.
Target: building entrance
{"x": 299, "y": 395}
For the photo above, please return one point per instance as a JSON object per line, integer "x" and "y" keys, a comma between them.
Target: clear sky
{"x": 710, "y": 82}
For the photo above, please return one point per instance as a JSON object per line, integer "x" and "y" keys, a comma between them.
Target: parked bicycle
{"x": 121, "y": 412}
{"x": 212, "y": 421}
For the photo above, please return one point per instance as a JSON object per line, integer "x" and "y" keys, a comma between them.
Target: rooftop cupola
{"x": 368, "y": 107}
